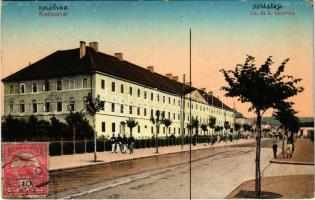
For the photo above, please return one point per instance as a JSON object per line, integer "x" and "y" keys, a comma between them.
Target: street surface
{"x": 215, "y": 173}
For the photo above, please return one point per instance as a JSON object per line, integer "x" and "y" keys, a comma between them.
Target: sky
{"x": 157, "y": 33}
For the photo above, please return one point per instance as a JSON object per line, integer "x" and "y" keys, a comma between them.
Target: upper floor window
{"x": 169, "y": 100}
{"x": 145, "y": 112}
{"x": 138, "y": 111}
{"x": 59, "y": 105}
{"x": 121, "y": 88}
{"x": 103, "y": 84}
{"x": 84, "y": 84}
{"x": 130, "y": 91}
{"x": 138, "y": 128}
{"x": 22, "y": 106}
{"x": 22, "y": 88}
{"x": 59, "y": 85}
{"x": 11, "y": 89}
{"x": 121, "y": 108}
{"x": 71, "y": 104}
{"x": 113, "y": 86}
{"x": 151, "y": 96}
{"x": 158, "y": 97}
{"x": 71, "y": 84}
{"x": 46, "y": 86}
{"x": 47, "y": 106}
{"x": 11, "y": 106}
{"x": 113, "y": 127}
{"x": 145, "y": 94}
{"x": 138, "y": 93}
{"x": 130, "y": 109}
{"x": 103, "y": 127}
{"x": 34, "y": 105}
{"x": 113, "y": 107}
{"x": 34, "y": 87}
{"x": 163, "y": 99}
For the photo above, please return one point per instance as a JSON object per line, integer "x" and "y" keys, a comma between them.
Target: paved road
{"x": 215, "y": 173}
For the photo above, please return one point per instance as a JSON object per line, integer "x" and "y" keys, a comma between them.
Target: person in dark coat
{"x": 119, "y": 143}
{"x": 275, "y": 149}
{"x": 131, "y": 143}
{"x": 124, "y": 142}
{"x": 113, "y": 142}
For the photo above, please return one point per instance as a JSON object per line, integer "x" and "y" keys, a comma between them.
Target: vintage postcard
{"x": 161, "y": 99}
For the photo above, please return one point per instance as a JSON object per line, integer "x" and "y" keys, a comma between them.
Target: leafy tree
{"x": 82, "y": 127}
{"x": 167, "y": 123}
{"x": 58, "y": 129}
{"x": 131, "y": 123}
{"x": 226, "y": 125}
{"x": 157, "y": 120}
{"x": 195, "y": 124}
{"x": 204, "y": 128}
{"x": 237, "y": 126}
{"x": 247, "y": 127}
{"x": 212, "y": 121}
{"x": 263, "y": 89}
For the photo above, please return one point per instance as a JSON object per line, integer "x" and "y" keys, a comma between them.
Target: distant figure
{"x": 275, "y": 149}
{"x": 119, "y": 143}
{"x": 289, "y": 150}
{"x": 131, "y": 143}
{"x": 113, "y": 142}
{"x": 124, "y": 143}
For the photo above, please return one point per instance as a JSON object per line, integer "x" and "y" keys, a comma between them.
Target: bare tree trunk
{"x": 257, "y": 173}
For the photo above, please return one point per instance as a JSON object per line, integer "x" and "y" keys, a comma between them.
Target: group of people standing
{"x": 290, "y": 147}
{"x": 122, "y": 144}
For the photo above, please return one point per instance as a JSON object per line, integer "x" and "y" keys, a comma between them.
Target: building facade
{"x": 62, "y": 81}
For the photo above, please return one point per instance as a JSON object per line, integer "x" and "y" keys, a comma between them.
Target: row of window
{"x": 171, "y": 130}
{"x": 47, "y": 86}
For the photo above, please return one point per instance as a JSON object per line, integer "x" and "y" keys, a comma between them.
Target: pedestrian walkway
{"x": 303, "y": 154}
{"x": 82, "y": 160}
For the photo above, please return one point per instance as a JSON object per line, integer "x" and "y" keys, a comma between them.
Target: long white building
{"x": 62, "y": 81}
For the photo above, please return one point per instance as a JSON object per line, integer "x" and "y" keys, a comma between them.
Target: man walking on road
{"x": 113, "y": 142}
{"x": 124, "y": 143}
{"x": 275, "y": 148}
{"x": 131, "y": 143}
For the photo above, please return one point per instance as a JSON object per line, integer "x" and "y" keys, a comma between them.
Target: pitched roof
{"x": 68, "y": 63}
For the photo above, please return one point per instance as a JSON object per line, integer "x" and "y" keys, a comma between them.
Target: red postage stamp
{"x": 25, "y": 170}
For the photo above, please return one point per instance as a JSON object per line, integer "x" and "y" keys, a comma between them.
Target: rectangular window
{"x": 113, "y": 87}
{"x": 59, "y": 85}
{"x": 84, "y": 84}
{"x": 47, "y": 107}
{"x": 113, "y": 107}
{"x": 151, "y": 129}
{"x": 103, "y": 84}
{"x": 22, "y": 88}
{"x": 138, "y": 93}
{"x": 163, "y": 99}
{"x": 46, "y": 86}
{"x": 11, "y": 89}
{"x": 113, "y": 127}
{"x": 121, "y": 88}
{"x": 158, "y": 97}
{"x": 34, "y": 87}
{"x": 173, "y": 116}
{"x": 169, "y": 100}
{"x": 152, "y": 112}
{"x": 145, "y": 112}
{"x": 121, "y": 108}
{"x": 130, "y": 110}
{"x": 169, "y": 115}
{"x": 130, "y": 91}
{"x": 145, "y": 94}
{"x": 59, "y": 106}
{"x": 34, "y": 107}
{"x": 71, "y": 84}
{"x": 151, "y": 96}
{"x": 72, "y": 105}
{"x": 138, "y": 111}
{"x": 138, "y": 128}
{"x": 22, "y": 107}
{"x": 103, "y": 127}
{"x": 174, "y": 102}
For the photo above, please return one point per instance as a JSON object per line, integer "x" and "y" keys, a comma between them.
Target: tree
{"x": 237, "y": 126}
{"x": 157, "y": 120}
{"x": 261, "y": 88}
{"x": 131, "y": 123}
{"x": 285, "y": 115}
{"x": 167, "y": 123}
{"x": 212, "y": 121}
{"x": 247, "y": 127}
{"x": 57, "y": 128}
{"x": 226, "y": 125}
{"x": 204, "y": 128}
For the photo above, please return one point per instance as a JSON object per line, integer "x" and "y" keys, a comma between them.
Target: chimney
{"x": 119, "y": 56}
{"x": 150, "y": 68}
{"x": 94, "y": 45}
{"x": 203, "y": 89}
{"x": 169, "y": 75}
{"x": 82, "y": 49}
{"x": 175, "y": 78}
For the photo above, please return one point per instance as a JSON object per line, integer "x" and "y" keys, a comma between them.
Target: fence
{"x": 57, "y": 148}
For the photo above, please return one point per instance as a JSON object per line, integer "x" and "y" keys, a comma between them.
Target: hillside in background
{"x": 274, "y": 122}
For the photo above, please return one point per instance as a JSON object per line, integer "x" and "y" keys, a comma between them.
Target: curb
{"x": 291, "y": 162}
{"x": 97, "y": 163}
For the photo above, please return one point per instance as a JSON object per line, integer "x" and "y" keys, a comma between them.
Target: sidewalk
{"x": 303, "y": 154}
{"x": 57, "y": 163}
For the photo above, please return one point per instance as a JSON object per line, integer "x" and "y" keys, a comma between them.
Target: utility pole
{"x": 182, "y": 119}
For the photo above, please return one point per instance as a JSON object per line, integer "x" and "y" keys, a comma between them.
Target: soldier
{"x": 113, "y": 142}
